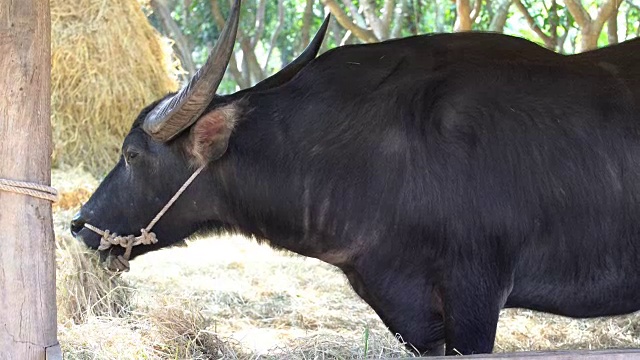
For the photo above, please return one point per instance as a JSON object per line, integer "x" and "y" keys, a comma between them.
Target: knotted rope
{"x": 28, "y": 188}
{"x": 147, "y": 237}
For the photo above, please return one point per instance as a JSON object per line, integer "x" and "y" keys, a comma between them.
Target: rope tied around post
{"x": 146, "y": 237}
{"x": 30, "y": 189}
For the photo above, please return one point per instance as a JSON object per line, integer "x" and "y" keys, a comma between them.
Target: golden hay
{"x": 85, "y": 289}
{"x": 68, "y": 200}
{"x": 75, "y": 186}
{"x": 107, "y": 63}
{"x": 183, "y": 332}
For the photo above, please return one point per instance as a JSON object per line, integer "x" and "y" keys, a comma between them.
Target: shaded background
{"x": 273, "y": 32}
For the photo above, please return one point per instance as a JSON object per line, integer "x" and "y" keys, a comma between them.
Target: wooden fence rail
{"x": 622, "y": 354}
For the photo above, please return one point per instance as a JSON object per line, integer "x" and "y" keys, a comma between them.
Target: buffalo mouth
{"x": 113, "y": 259}
{"x": 87, "y": 237}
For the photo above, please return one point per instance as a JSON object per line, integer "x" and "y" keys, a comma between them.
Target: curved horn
{"x": 289, "y": 71}
{"x": 178, "y": 112}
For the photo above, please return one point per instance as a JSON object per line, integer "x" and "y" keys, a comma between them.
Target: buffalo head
{"x": 168, "y": 141}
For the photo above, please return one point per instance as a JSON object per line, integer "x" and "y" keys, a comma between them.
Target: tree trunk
{"x": 27, "y": 257}
{"x": 242, "y": 81}
{"x": 412, "y": 18}
{"x": 365, "y": 35}
{"x": 172, "y": 30}
{"x": 250, "y": 62}
{"x": 380, "y": 26}
{"x": 612, "y": 28}
{"x": 590, "y": 28}
{"x": 588, "y": 38}
{"x": 274, "y": 36}
{"x": 398, "y": 21}
{"x": 499, "y": 19}
{"x": 305, "y": 32}
{"x": 549, "y": 41}
{"x": 463, "y": 16}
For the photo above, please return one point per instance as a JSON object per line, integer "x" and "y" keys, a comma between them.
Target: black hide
{"x": 448, "y": 176}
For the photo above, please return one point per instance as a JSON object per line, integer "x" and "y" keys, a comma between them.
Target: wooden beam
{"x": 621, "y": 354}
{"x": 27, "y": 249}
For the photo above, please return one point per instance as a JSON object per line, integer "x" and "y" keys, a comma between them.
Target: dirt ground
{"x": 229, "y": 297}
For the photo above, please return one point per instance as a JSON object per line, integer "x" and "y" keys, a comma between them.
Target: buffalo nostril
{"x": 77, "y": 223}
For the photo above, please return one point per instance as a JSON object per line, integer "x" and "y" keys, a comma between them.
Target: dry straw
{"x": 85, "y": 289}
{"x": 108, "y": 62}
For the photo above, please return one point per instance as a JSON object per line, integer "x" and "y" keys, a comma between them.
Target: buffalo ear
{"x": 209, "y": 136}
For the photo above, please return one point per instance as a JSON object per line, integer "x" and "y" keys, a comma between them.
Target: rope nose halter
{"x": 147, "y": 237}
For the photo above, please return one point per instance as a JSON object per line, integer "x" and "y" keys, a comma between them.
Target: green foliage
{"x": 410, "y": 17}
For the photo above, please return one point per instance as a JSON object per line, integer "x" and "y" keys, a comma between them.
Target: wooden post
{"x": 27, "y": 257}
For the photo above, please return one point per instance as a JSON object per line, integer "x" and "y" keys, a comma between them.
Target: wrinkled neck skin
{"x": 266, "y": 188}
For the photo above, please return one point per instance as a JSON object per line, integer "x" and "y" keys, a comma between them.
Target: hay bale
{"x": 107, "y": 63}
{"x": 75, "y": 186}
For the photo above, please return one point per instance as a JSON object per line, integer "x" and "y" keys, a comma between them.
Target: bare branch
{"x": 344, "y": 20}
{"x": 345, "y": 38}
{"x": 217, "y": 14}
{"x": 182, "y": 47}
{"x": 262, "y": 6}
{"x": 355, "y": 14}
{"x": 605, "y": 12}
{"x": 590, "y": 28}
{"x": 561, "y": 40}
{"x": 439, "y": 16}
{"x": 242, "y": 81}
{"x": 612, "y": 28}
{"x": 387, "y": 17}
{"x": 633, "y": 4}
{"x": 463, "y": 18}
{"x": 251, "y": 61}
{"x": 306, "y": 24}
{"x": 499, "y": 18}
{"x": 369, "y": 9}
{"x": 548, "y": 40}
{"x": 553, "y": 20}
{"x": 336, "y": 31}
{"x": 477, "y": 8}
{"x": 398, "y": 20}
{"x": 579, "y": 13}
{"x": 276, "y": 32}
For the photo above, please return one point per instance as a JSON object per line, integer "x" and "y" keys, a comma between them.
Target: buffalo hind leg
{"x": 407, "y": 307}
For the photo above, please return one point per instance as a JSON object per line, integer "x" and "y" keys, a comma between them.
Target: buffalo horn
{"x": 176, "y": 113}
{"x": 291, "y": 70}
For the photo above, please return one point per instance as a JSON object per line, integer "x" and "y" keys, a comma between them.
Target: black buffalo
{"x": 448, "y": 176}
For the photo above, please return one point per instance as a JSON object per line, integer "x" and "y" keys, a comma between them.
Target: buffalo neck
{"x": 280, "y": 184}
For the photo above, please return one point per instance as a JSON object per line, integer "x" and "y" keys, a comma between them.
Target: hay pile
{"x": 107, "y": 63}
{"x": 84, "y": 288}
{"x": 99, "y": 313}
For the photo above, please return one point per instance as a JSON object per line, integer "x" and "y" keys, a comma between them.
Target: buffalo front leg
{"x": 406, "y": 304}
{"x": 472, "y": 306}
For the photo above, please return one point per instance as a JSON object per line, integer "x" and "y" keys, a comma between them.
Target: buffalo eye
{"x": 130, "y": 155}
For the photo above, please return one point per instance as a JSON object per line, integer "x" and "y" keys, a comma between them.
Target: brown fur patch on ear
{"x": 209, "y": 136}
